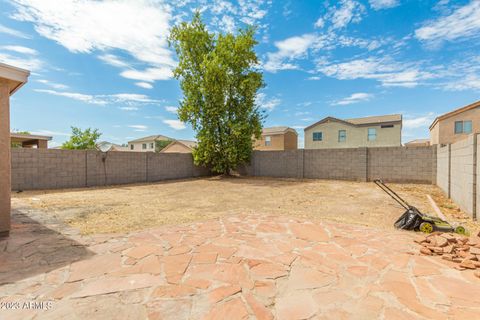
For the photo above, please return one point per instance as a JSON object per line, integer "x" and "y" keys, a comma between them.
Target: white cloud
{"x": 319, "y": 23}
{"x": 30, "y": 63}
{"x": 144, "y": 85}
{"x": 463, "y": 23}
{"x": 138, "y": 127}
{"x": 128, "y": 108}
{"x": 74, "y": 95}
{"x": 113, "y": 60}
{"x": 289, "y": 49}
{"x": 104, "y": 99}
{"x": 354, "y": 98}
{"x": 341, "y": 15}
{"x": 465, "y": 82}
{"x": 20, "y": 49}
{"x": 263, "y": 102}
{"x": 139, "y": 28}
{"x": 383, "y": 4}
{"x": 129, "y": 97}
{"x": 13, "y": 32}
{"x": 148, "y": 74}
{"x": 171, "y": 109}
{"x": 411, "y": 122}
{"x": 226, "y": 23}
{"x": 52, "y": 84}
{"x": 175, "y": 124}
{"x": 50, "y": 133}
{"x": 387, "y": 71}
{"x": 298, "y": 47}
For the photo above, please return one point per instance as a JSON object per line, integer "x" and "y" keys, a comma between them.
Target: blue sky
{"x": 107, "y": 64}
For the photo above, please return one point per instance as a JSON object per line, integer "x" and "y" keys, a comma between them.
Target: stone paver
{"x": 236, "y": 267}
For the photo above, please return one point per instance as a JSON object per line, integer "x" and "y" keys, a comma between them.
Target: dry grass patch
{"x": 135, "y": 207}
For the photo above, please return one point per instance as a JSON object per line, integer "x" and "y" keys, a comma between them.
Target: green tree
{"x": 219, "y": 78}
{"x": 161, "y": 144}
{"x": 82, "y": 139}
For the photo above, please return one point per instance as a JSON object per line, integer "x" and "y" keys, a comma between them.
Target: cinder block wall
{"x": 402, "y": 164}
{"x": 284, "y": 164}
{"x": 47, "y": 169}
{"x": 457, "y": 173}
{"x": 462, "y": 176}
{"x": 443, "y": 169}
{"x": 397, "y": 164}
{"x": 341, "y": 164}
{"x": 54, "y": 169}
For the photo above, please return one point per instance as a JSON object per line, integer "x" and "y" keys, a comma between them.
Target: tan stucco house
{"x": 277, "y": 138}
{"x": 146, "y": 144}
{"x": 418, "y": 143}
{"x": 11, "y": 79}
{"x": 377, "y": 131}
{"x": 180, "y": 146}
{"x": 23, "y": 140}
{"x": 456, "y": 125}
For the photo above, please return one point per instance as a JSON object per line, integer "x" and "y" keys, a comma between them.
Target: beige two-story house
{"x": 277, "y": 138}
{"x": 456, "y": 125}
{"x": 377, "y": 131}
{"x": 148, "y": 144}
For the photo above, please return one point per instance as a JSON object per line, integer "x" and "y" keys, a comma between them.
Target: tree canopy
{"x": 219, "y": 78}
{"x": 82, "y": 139}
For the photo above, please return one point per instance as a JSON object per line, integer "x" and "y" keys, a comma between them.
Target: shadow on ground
{"x": 32, "y": 249}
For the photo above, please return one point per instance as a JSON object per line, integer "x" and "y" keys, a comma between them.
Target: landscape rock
{"x": 461, "y": 250}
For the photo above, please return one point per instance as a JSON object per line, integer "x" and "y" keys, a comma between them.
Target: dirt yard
{"x": 135, "y": 207}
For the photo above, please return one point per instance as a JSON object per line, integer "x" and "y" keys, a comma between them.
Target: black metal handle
{"x": 392, "y": 193}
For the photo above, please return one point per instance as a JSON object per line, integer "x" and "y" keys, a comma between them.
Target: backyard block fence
{"x": 55, "y": 169}
{"x": 452, "y": 167}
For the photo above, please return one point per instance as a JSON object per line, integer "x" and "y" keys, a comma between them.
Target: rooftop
{"x": 454, "y": 112}
{"x": 363, "y": 121}
{"x": 151, "y": 138}
{"x": 277, "y": 130}
{"x": 376, "y": 119}
{"x": 19, "y": 137}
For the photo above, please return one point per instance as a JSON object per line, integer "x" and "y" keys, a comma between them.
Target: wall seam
{"x": 449, "y": 170}
{"x": 474, "y": 186}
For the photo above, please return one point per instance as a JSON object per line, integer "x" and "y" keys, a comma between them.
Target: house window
{"x": 144, "y": 146}
{"x": 463, "y": 126}
{"x": 268, "y": 141}
{"x": 317, "y": 136}
{"x": 131, "y": 147}
{"x": 372, "y": 134}
{"x": 151, "y": 145}
{"x": 342, "y": 135}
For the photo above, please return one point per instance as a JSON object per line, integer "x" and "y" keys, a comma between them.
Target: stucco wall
{"x": 277, "y": 142}
{"x": 4, "y": 156}
{"x": 138, "y": 146}
{"x": 291, "y": 141}
{"x": 356, "y": 136}
{"x": 446, "y": 127}
{"x": 53, "y": 169}
{"x": 176, "y": 147}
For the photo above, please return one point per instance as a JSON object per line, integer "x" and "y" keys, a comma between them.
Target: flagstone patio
{"x": 234, "y": 267}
